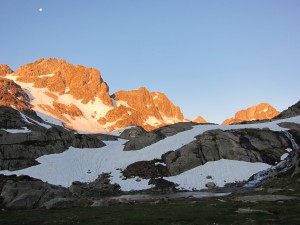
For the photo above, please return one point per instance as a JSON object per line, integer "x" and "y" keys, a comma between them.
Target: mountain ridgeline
{"x": 79, "y": 97}
{"x": 44, "y": 105}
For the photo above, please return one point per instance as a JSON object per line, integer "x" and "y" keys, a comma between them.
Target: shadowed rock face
{"x": 258, "y": 112}
{"x": 19, "y": 150}
{"x": 292, "y": 111}
{"x": 27, "y": 193}
{"x": 250, "y": 145}
{"x": 97, "y": 189}
{"x": 147, "y": 138}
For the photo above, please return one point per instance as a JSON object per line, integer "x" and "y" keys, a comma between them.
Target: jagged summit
{"x": 59, "y": 76}
{"x": 142, "y": 108}
{"x": 79, "y": 97}
{"x": 261, "y": 111}
{"x": 4, "y": 70}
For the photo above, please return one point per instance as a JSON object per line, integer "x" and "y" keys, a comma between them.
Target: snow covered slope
{"x": 78, "y": 97}
{"x": 86, "y": 164}
{"x": 42, "y": 100}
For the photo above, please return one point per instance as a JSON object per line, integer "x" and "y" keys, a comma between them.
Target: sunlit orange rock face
{"x": 141, "y": 108}
{"x": 258, "y": 112}
{"x": 165, "y": 106}
{"x": 59, "y": 78}
{"x": 78, "y": 81}
{"x": 4, "y": 70}
{"x": 200, "y": 119}
{"x": 11, "y": 94}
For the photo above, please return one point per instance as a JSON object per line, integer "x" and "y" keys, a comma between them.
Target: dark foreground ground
{"x": 276, "y": 202}
{"x": 204, "y": 211}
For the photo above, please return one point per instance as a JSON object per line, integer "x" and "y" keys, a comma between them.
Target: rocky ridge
{"x": 292, "y": 111}
{"x": 12, "y": 95}
{"x": 141, "y": 108}
{"x": 23, "y": 139}
{"x": 80, "y": 98}
{"x": 261, "y": 111}
{"x": 250, "y": 145}
{"x": 59, "y": 76}
{"x": 4, "y": 70}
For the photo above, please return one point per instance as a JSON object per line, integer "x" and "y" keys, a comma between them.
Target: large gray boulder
{"x": 132, "y": 132}
{"x": 28, "y": 193}
{"x": 250, "y": 145}
{"x": 98, "y": 188}
{"x": 144, "y": 139}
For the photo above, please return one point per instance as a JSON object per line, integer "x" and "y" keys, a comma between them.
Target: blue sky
{"x": 210, "y": 57}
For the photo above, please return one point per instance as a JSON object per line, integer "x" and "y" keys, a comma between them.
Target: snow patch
{"x": 222, "y": 171}
{"x": 17, "y": 131}
{"x": 46, "y": 75}
{"x": 169, "y": 120}
{"x": 153, "y": 121}
{"x": 266, "y": 110}
{"x": 34, "y": 122}
{"x": 50, "y": 119}
{"x": 284, "y": 156}
{"x": 123, "y": 103}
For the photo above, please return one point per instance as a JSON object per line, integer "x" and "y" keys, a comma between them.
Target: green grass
{"x": 205, "y": 211}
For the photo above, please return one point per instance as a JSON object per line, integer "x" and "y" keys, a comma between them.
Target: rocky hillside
{"x": 12, "y": 95}
{"x": 181, "y": 156}
{"x": 141, "y": 108}
{"x": 292, "y": 111}
{"x": 261, "y": 111}
{"x": 25, "y": 137}
{"x": 79, "y": 97}
{"x": 4, "y": 70}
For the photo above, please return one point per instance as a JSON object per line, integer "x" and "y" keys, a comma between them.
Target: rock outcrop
{"x": 141, "y": 108}
{"x": 12, "y": 95}
{"x": 149, "y": 138}
{"x": 80, "y": 98}
{"x": 27, "y": 193}
{"x": 132, "y": 132}
{"x": 59, "y": 76}
{"x": 23, "y": 139}
{"x": 261, "y": 111}
{"x": 4, "y": 70}
{"x": 292, "y": 111}
{"x": 250, "y": 145}
{"x": 96, "y": 189}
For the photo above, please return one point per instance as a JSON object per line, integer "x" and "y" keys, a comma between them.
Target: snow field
{"x": 86, "y": 164}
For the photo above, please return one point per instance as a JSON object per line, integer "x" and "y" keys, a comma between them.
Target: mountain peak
{"x": 141, "y": 108}
{"x": 79, "y": 97}
{"x": 64, "y": 78}
{"x": 4, "y": 70}
{"x": 261, "y": 111}
{"x": 200, "y": 119}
